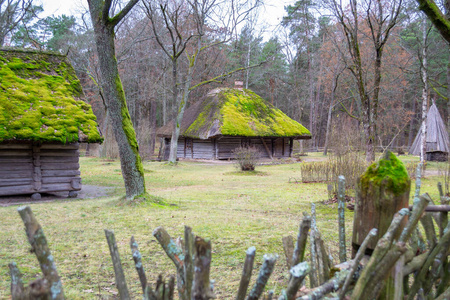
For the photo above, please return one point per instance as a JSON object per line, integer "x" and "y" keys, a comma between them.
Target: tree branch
{"x": 117, "y": 18}
{"x": 436, "y": 17}
{"x": 223, "y": 76}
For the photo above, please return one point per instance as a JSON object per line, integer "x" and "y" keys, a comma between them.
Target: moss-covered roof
{"x": 234, "y": 112}
{"x": 41, "y": 99}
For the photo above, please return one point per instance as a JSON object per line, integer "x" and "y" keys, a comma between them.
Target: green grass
{"x": 235, "y": 211}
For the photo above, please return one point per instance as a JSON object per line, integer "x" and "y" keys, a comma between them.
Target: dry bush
{"x": 347, "y": 157}
{"x": 109, "y": 147}
{"x": 246, "y": 157}
{"x": 316, "y": 172}
{"x": 411, "y": 167}
{"x": 146, "y": 136}
{"x": 444, "y": 171}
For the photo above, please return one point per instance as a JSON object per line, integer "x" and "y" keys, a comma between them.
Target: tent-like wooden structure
{"x": 228, "y": 118}
{"x": 42, "y": 119}
{"x": 437, "y": 137}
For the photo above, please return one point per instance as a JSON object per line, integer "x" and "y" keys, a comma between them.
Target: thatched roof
{"x": 234, "y": 112}
{"x": 41, "y": 99}
{"x": 437, "y": 135}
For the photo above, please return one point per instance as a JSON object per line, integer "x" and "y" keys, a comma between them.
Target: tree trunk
{"x": 152, "y": 116}
{"x": 448, "y": 89}
{"x": 411, "y": 125}
{"x": 132, "y": 170}
{"x": 423, "y": 135}
{"x": 330, "y": 110}
{"x": 177, "y": 123}
{"x": 182, "y": 104}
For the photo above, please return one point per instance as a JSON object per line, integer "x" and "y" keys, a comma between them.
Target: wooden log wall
{"x": 180, "y": 148}
{"x": 222, "y": 147}
{"x": 28, "y": 168}
{"x": 203, "y": 149}
{"x": 226, "y": 145}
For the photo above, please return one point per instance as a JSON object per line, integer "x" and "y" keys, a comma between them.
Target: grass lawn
{"x": 236, "y": 211}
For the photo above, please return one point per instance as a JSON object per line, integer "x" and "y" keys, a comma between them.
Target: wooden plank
{"x": 57, "y": 159}
{"x": 12, "y": 167}
{"x": 57, "y": 187}
{"x": 60, "y": 166}
{"x": 16, "y": 146}
{"x": 18, "y": 152}
{"x": 49, "y": 152}
{"x": 434, "y": 208}
{"x": 267, "y": 149}
{"x": 53, "y": 173}
{"x": 15, "y": 181}
{"x": 15, "y": 174}
{"x": 74, "y": 146}
{"x": 58, "y": 179}
{"x": 16, "y": 190}
{"x": 15, "y": 159}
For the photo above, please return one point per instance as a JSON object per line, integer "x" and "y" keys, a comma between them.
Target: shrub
{"x": 246, "y": 157}
{"x": 316, "y": 172}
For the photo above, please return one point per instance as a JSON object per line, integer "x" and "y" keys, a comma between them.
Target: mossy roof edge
{"x": 235, "y": 112}
{"x": 41, "y": 99}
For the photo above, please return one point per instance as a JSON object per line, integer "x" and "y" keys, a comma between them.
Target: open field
{"x": 236, "y": 211}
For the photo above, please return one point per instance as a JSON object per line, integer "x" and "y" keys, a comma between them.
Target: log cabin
{"x": 226, "y": 119}
{"x": 43, "y": 117}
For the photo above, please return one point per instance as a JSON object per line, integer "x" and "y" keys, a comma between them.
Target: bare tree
{"x": 104, "y": 26}
{"x": 185, "y": 31}
{"x": 380, "y": 16}
{"x": 12, "y": 12}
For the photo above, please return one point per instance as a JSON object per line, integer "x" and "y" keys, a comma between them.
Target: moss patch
{"x": 242, "y": 113}
{"x": 40, "y": 100}
{"x": 390, "y": 169}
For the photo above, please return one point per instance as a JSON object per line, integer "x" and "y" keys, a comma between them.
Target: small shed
{"x": 437, "y": 137}
{"x": 43, "y": 117}
{"x": 228, "y": 118}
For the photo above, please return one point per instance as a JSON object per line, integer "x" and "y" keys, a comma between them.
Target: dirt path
{"x": 87, "y": 192}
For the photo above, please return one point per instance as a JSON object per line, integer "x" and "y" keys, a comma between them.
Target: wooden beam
{"x": 16, "y": 146}
{"x": 17, "y": 152}
{"x": 17, "y": 190}
{"x": 37, "y": 171}
{"x": 15, "y": 181}
{"x": 58, "y": 187}
{"x": 52, "y": 173}
{"x": 73, "y": 146}
{"x": 267, "y": 148}
{"x": 60, "y": 166}
{"x": 59, "y": 159}
{"x": 435, "y": 208}
{"x": 50, "y": 152}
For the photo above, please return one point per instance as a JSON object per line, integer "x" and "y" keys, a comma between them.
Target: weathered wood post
{"x": 382, "y": 191}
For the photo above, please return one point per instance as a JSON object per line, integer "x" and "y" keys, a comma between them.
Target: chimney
{"x": 238, "y": 84}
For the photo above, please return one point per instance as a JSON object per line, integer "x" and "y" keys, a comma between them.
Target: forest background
{"x": 303, "y": 67}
